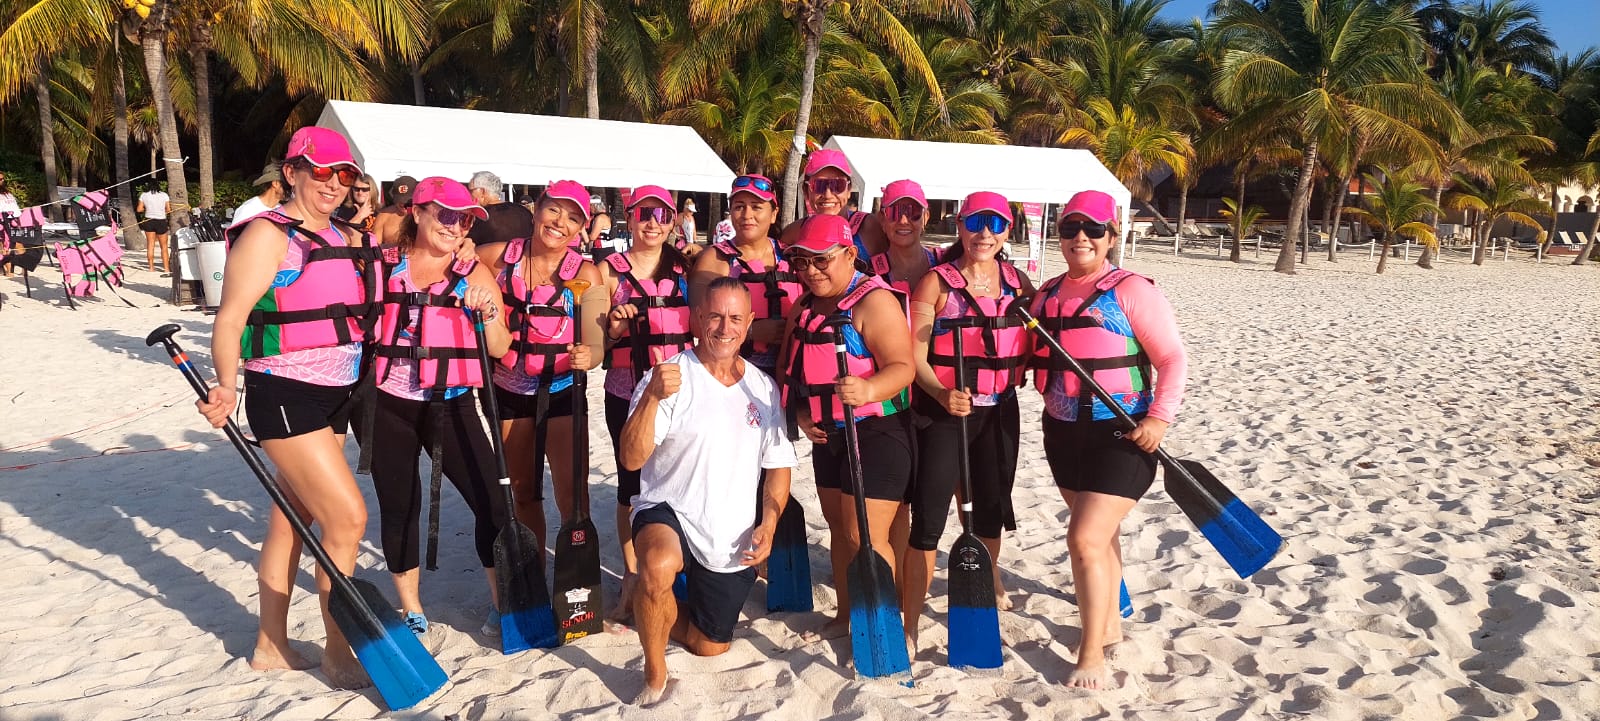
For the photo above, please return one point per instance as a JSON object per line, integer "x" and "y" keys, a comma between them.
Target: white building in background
{"x": 1574, "y": 198}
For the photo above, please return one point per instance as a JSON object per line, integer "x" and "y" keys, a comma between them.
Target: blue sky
{"x": 1573, "y": 24}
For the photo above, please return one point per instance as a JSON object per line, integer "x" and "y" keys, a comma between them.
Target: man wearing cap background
{"x": 271, "y": 183}
{"x": 388, "y": 219}
{"x": 827, "y": 192}
{"x": 505, "y": 220}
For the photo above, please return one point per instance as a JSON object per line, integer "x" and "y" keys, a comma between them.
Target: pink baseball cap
{"x": 758, "y": 185}
{"x": 644, "y": 192}
{"x": 821, "y": 233}
{"x": 1092, "y": 204}
{"x": 985, "y": 201}
{"x": 570, "y": 190}
{"x": 901, "y": 190}
{"x": 826, "y": 158}
{"x": 447, "y": 193}
{"x": 321, "y": 147}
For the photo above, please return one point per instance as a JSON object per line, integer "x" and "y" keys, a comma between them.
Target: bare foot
{"x": 271, "y": 657}
{"x": 344, "y": 671}
{"x": 652, "y": 696}
{"x": 622, "y": 612}
{"x": 1002, "y": 602}
{"x": 1093, "y": 678}
{"x": 835, "y": 628}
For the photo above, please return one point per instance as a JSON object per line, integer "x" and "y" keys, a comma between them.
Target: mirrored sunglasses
{"x": 451, "y": 216}
{"x": 347, "y": 175}
{"x": 824, "y": 186}
{"x": 906, "y": 209}
{"x": 1071, "y": 228}
{"x": 976, "y": 223}
{"x": 662, "y": 216}
{"x": 746, "y": 181}
{"x": 800, "y": 261}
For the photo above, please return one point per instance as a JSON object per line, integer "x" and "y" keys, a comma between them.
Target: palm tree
{"x": 1590, "y": 176}
{"x": 1504, "y": 35}
{"x": 1397, "y": 206}
{"x": 744, "y": 115}
{"x": 1244, "y": 221}
{"x": 1326, "y": 68}
{"x": 1130, "y": 146}
{"x": 1493, "y": 200}
{"x": 867, "y": 95}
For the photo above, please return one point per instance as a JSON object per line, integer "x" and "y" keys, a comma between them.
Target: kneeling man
{"x": 702, "y": 428}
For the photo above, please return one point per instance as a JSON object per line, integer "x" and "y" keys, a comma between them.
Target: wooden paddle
{"x": 400, "y": 668}
{"x": 578, "y": 605}
{"x": 1245, "y": 541}
{"x": 526, "y": 617}
{"x": 974, "y": 616}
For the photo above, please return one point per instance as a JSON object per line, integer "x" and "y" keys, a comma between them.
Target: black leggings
{"x": 627, "y": 481}
{"x": 402, "y": 430}
{"x": 992, "y": 436}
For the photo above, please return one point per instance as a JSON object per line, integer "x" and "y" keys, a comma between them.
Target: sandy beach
{"x": 1426, "y": 442}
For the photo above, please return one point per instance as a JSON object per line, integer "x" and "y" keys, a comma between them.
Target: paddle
{"x": 578, "y": 606}
{"x": 526, "y": 618}
{"x": 399, "y": 666}
{"x": 877, "y": 633}
{"x": 974, "y": 617}
{"x": 789, "y": 564}
{"x": 1245, "y": 541}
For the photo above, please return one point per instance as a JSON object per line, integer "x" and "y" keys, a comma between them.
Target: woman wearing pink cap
{"x": 904, "y": 215}
{"x": 827, "y": 192}
{"x": 753, "y": 258}
{"x": 533, "y": 381}
{"x": 969, "y": 293}
{"x": 293, "y": 305}
{"x": 648, "y": 321}
{"x": 878, "y": 353}
{"x": 428, "y": 403}
{"x": 1121, "y": 327}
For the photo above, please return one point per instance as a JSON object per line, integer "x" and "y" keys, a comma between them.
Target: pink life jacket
{"x": 444, "y": 337}
{"x": 813, "y": 364}
{"x": 1098, "y": 335}
{"x": 881, "y": 268}
{"x": 663, "y": 322}
{"x": 995, "y": 349}
{"x": 778, "y": 285}
{"x": 540, "y": 320}
{"x": 329, "y": 300}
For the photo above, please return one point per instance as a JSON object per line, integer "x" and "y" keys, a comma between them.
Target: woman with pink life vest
{"x": 827, "y": 192}
{"x": 298, "y": 301}
{"x": 648, "y": 321}
{"x": 974, "y": 286}
{"x": 903, "y": 216}
{"x": 426, "y": 369}
{"x": 878, "y": 355}
{"x": 1121, "y": 329}
{"x": 754, "y": 258}
{"x": 533, "y": 381}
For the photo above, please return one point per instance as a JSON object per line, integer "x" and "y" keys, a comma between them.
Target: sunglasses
{"x": 746, "y": 181}
{"x": 362, "y": 190}
{"x": 907, "y": 210}
{"x": 451, "y": 216}
{"x": 800, "y": 261}
{"x": 823, "y": 186}
{"x": 1071, "y": 228}
{"x": 347, "y": 175}
{"x": 976, "y": 223}
{"x": 662, "y": 216}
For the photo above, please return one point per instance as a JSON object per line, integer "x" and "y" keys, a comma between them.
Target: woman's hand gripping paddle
{"x": 399, "y": 666}
{"x": 877, "y": 633}
{"x": 974, "y": 617}
{"x": 578, "y": 606}
{"x": 526, "y": 618}
{"x": 1245, "y": 541}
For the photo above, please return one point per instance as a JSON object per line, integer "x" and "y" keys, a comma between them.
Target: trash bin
{"x": 186, "y": 240}
{"x": 213, "y": 258}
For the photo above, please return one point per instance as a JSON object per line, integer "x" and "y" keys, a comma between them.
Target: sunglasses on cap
{"x": 662, "y": 216}
{"x": 907, "y": 209}
{"x": 746, "y": 181}
{"x": 451, "y": 216}
{"x": 347, "y": 175}
{"x": 1071, "y": 228}
{"x": 976, "y": 223}
{"x": 800, "y": 261}
{"x": 823, "y": 186}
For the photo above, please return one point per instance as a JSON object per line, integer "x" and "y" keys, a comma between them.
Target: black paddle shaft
{"x": 963, "y": 459}
{"x": 580, "y": 422}
{"x": 492, "y": 406}
{"x": 851, "y": 448}
{"x": 341, "y": 583}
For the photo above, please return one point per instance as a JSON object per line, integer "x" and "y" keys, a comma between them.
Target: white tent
{"x": 952, "y": 170}
{"x": 395, "y": 140}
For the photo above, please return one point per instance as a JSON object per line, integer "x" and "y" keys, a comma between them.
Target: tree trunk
{"x": 1237, "y": 252}
{"x": 153, "y": 39}
{"x": 1340, "y": 195}
{"x": 1297, "y": 210}
{"x": 1480, "y": 246}
{"x": 1588, "y": 245}
{"x": 1425, "y": 260}
{"x": 1183, "y": 210}
{"x": 132, "y": 239}
{"x": 47, "y": 136}
{"x": 1383, "y": 257}
{"x": 811, "y": 30}
{"x": 418, "y": 93}
{"x": 200, "y": 56}
{"x": 591, "y": 71}
{"x": 1327, "y": 210}
{"x": 716, "y": 214}
{"x": 1555, "y": 209}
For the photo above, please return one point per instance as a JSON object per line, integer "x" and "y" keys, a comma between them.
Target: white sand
{"x": 1426, "y": 442}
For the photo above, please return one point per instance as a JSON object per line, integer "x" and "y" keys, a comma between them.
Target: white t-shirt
{"x": 155, "y": 204}
{"x": 711, "y": 443}
{"x": 247, "y": 210}
{"x": 8, "y": 204}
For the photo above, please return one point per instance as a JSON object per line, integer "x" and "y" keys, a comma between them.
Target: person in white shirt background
{"x": 271, "y": 184}
{"x": 154, "y": 203}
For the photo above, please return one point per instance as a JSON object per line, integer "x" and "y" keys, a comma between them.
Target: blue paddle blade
{"x": 528, "y": 628}
{"x": 527, "y": 619}
{"x": 400, "y": 668}
{"x": 1245, "y": 541}
{"x": 974, "y": 619}
{"x": 1124, "y": 601}
{"x": 789, "y": 565}
{"x": 680, "y": 586}
{"x": 877, "y": 633}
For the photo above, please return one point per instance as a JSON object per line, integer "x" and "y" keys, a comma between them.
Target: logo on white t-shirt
{"x": 752, "y": 415}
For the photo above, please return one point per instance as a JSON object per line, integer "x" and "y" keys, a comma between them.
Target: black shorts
{"x": 159, "y": 226}
{"x": 888, "y": 458}
{"x": 616, "y": 416}
{"x": 993, "y": 433}
{"x": 516, "y": 405}
{"x": 714, "y": 599}
{"x": 1095, "y": 457}
{"x": 279, "y": 407}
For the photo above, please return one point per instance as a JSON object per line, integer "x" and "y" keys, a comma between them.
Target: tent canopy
{"x": 952, "y": 170}
{"x": 395, "y": 140}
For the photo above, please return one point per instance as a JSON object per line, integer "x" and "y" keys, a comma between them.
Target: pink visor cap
{"x": 826, "y": 158}
{"x": 902, "y": 190}
{"x": 648, "y": 192}
{"x": 570, "y": 190}
{"x": 752, "y": 184}
{"x": 1092, "y": 204}
{"x": 321, "y": 147}
{"x": 985, "y": 201}
{"x": 449, "y": 194}
{"x": 821, "y": 233}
